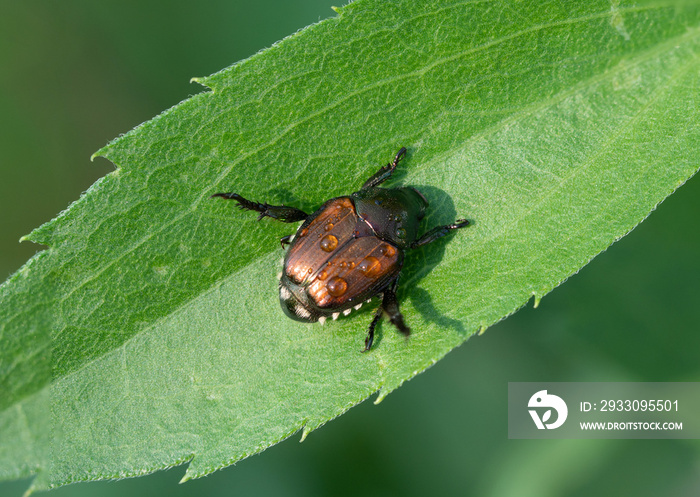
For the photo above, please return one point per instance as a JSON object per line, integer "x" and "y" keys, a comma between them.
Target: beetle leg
{"x": 286, "y": 240}
{"x": 390, "y": 305}
{"x": 384, "y": 173}
{"x": 438, "y": 232}
{"x": 279, "y": 212}
{"x": 370, "y": 334}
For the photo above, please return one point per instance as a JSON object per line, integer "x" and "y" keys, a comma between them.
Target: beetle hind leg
{"x": 278, "y": 212}
{"x": 390, "y": 307}
{"x": 370, "y": 334}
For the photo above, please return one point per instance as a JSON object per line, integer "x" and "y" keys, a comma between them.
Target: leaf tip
{"x": 537, "y": 300}
{"x": 383, "y": 392}
{"x": 192, "y": 472}
{"x": 305, "y": 430}
{"x": 103, "y": 152}
{"x": 201, "y": 81}
{"x": 43, "y": 235}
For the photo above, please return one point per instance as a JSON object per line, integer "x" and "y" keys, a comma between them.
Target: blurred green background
{"x": 74, "y": 75}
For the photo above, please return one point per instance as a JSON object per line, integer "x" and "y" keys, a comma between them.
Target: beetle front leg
{"x": 439, "y": 232}
{"x": 384, "y": 173}
{"x": 278, "y": 212}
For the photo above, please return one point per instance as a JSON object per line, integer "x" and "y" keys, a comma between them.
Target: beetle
{"x": 350, "y": 250}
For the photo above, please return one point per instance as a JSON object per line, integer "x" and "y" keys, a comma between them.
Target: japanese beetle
{"x": 350, "y": 249}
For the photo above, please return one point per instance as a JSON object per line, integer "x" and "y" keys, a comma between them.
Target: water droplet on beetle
{"x": 370, "y": 266}
{"x": 328, "y": 227}
{"x": 337, "y": 286}
{"x": 387, "y": 250}
{"x": 329, "y": 243}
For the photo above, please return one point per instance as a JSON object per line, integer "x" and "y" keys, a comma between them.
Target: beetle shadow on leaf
{"x": 421, "y": 261}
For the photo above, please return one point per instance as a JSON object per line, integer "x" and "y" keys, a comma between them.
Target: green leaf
{"x": 555, "y": 127}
